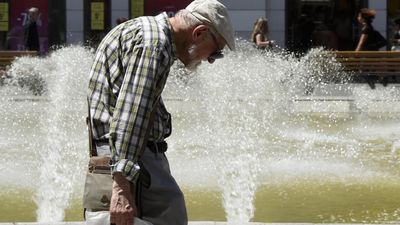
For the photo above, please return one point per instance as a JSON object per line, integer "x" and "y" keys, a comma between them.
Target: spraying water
{"x": 255, "y": 119}
{"x": 59, "y": 130}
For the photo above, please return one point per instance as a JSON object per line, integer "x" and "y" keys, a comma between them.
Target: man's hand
{"x": 122, "y": 208}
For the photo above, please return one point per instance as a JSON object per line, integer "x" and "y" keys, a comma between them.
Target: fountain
{"x": 258, "y": 136}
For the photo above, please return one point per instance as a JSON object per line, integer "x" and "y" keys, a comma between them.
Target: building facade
{"x": 294, "y": 24}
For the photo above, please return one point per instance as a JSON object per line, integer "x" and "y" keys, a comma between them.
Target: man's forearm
{"x": 122, "y": 208}
{"x": 121, "y": 183}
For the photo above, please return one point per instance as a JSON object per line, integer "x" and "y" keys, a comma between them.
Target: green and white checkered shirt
{"x": 128, "y": 75}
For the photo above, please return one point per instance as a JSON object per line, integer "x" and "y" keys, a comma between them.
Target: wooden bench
{"x": 6, "y": 57}
{"x": 372, "y": 66}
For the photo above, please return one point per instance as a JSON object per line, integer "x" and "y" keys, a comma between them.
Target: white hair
{"x": 33, "y": 10}
{"x": 188, "y": 18}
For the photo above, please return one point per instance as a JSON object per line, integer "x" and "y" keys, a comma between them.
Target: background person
{"x": 366, "y": 41}
{"x": 396, "y": 36}
{"x": 127, "y": 78}
{"x": 31, "y": 35}
{"x": 260, "y": 32}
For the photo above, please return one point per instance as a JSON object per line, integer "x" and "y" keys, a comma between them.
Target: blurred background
{"x": 292, "y": 23}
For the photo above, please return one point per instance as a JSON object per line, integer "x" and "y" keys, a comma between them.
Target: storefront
{"x": 393, "y": 14}
{"x": 328, "y": 23}
{"x": 98, "y": 14}
{"x": 302, "y": 24}
{"x": 154, "y": 7}
{"x": 14, "y": 17}
{"x": 97, "y": 20}
{"x": 333, "y": 23}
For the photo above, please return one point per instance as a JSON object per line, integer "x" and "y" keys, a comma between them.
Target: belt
{"x": 155, "y": 147}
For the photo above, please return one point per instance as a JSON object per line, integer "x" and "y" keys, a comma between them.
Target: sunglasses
{"x": 218, "y": 53}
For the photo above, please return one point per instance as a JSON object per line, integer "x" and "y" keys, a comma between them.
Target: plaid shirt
{"x": 128, "y": 75}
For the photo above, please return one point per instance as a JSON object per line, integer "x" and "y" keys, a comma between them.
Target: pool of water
{"x": 256, "y": 137}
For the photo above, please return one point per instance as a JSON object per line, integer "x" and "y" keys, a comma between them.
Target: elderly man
{"x": 127, "y": 78}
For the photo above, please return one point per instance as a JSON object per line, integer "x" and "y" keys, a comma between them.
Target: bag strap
{"x": 92, "y": 146}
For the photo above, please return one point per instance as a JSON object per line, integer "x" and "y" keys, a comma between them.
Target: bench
{"x": 371, "y": 66}
{"x": 6, "y": 57}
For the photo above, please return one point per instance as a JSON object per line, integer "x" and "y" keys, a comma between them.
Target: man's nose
{"x": 210, "y": 60}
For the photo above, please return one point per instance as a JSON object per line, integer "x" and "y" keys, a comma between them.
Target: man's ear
{"x": 199, "y": 32}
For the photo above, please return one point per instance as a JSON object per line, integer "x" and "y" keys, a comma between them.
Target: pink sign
{"x": 19, "y": 17}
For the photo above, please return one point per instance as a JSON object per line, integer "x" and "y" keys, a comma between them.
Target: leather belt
{"x": 155, "y": 147}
